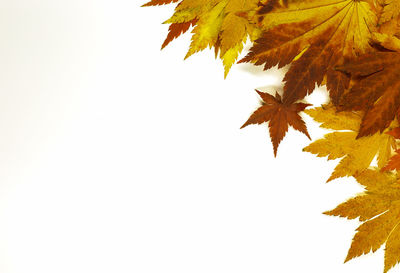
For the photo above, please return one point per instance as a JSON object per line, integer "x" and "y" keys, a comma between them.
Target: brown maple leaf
{"x": 315, "y": 36}
{"x": 376, "y": 90}
{"x": 279, "y": 116}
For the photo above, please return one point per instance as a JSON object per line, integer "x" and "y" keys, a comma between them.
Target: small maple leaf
{"x": 356, "y": 153}
{"x": 279, "y": 116}
{"x": 379, "y": 210}
{"x": 377, "y": 90}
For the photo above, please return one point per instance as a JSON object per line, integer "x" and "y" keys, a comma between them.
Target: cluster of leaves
{"x": 350, "y": 46}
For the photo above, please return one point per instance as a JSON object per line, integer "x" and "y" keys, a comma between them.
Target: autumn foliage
{"x": 352, "y": 47}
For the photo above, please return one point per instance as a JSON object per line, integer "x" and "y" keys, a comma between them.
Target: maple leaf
{"x": 379, "y": 211}
{"x": 352, "y": 47}
{"x": 314, "y": 36}
{"x": 377, "y": 92}
{"x": 279, "y": 116}
{"x": 159, "y": 2}
{"x": 216, "y": 24}
{"x": 356, "y": 153}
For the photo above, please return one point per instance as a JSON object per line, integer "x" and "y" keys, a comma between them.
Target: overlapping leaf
{"x": 352, "y": 47}
{"x": 216, "y": 24}
{"x": 356, "y": 154}
{"x": 315, "y": 36}
{"x": 377, "y": 92}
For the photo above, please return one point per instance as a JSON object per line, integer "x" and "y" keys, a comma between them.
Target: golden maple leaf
{"x": 379, "y": 210}
{"x": 216, "y": 24}
{"x": 356, "y": 153}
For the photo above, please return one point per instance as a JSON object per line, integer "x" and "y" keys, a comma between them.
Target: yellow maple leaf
{"x": 356, "y": 153}
{"x": 379, "y": 210}
{"x": 218, "y": 25}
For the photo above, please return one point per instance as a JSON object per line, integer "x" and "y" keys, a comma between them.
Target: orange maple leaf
{"x": 279, "y": 115}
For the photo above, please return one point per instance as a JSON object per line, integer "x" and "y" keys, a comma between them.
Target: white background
{"x": 118, "y": 157}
